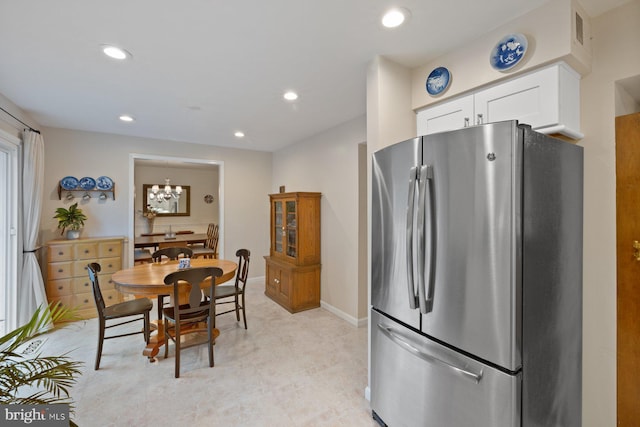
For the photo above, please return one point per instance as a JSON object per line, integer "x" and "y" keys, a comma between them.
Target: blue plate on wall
{"x": 508, "y": 52}
{"x": 104, "y": 183}
{"x": 69, "y": 182}
{"x": 87, "y": 183}
{"x": 438, "y": 81}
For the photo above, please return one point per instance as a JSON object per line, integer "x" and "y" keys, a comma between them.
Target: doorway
{"x": 179, "y": 169}
{"x": 628, "y": 268}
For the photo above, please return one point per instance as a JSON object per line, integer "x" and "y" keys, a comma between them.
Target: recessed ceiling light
{"x": 290, "y": 95}
{"x": 239, "y": 134}
{"x": 115, "y": 52}
{"x": 126, "y": 118}
{"x": 395, "y": 17}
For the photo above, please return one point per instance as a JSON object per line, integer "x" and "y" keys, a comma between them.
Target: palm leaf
{"x": 51, "y": 376}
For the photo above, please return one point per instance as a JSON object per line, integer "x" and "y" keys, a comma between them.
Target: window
{"x": 8, "y": 232}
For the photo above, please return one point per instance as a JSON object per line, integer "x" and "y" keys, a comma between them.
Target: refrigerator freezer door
{"x": 393, "y": 268}
{"x": 418, "y": 382}
{"x": 476, "y": 179}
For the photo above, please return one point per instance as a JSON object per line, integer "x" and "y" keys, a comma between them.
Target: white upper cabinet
{"x": 447, "y": 116}
{"x": 547, "y": 99}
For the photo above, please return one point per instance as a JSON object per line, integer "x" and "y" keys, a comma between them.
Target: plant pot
{"x": 73, "y": 234}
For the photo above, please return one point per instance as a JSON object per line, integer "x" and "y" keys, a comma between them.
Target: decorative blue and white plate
{"x": 438, "y": 81}
{"x": 104, "y": 183}
{"x": 87, "y": 183}
{"x": 69, "y": 182}
{"x": 508, "y": 52}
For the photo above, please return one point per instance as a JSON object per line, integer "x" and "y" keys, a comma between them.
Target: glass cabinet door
{"x": 278, "y": 227}
{"x": 291, "y": 234}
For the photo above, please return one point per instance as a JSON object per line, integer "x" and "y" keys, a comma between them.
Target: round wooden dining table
{"x": 148, "y": 280}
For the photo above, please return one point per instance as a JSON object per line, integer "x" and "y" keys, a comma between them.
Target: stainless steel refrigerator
{"x": 476, "y": 280}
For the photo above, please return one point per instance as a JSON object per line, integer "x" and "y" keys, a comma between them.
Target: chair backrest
{"x": 93, "y": 269}
{"x": 194, "y": 277}
{"x": 243, "y": 267}
{"x": 213, "y": 234}
{"x": 172, "y": 253}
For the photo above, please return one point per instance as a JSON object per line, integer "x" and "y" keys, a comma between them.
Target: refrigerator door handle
{"x": 413, "y": 177}
{"x": 425, "y": 297}
{"x": 405, "y": 344}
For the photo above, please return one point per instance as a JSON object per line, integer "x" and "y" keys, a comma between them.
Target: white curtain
{"x": 31, "y": 293}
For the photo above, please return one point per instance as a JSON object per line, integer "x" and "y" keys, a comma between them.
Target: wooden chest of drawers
{"x": 67, "y": 279}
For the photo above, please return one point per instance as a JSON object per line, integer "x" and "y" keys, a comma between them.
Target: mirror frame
{"x": 146, "y": 188}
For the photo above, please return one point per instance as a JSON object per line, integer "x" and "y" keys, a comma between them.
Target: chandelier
{"x": 166, "y": 193}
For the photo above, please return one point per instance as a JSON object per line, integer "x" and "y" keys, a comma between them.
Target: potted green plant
{"x": 71, "y": 218}
{"x": 37, "y": 379}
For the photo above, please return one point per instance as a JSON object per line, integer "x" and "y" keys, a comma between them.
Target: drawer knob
{"x": 86, "y": 284}
{"x": 60, "y": 270}
{"x": 60, "y": 253}
{"x": 86, "y": 251}
{"x": 60, "y": 287}
{"x": 110, "y": 249}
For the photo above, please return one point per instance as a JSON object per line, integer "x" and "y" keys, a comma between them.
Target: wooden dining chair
{"x": 188, "y": 314}
{"x": 235, "y": 294}
{"x": 172, "y": 253}
{"x": 210, "y": 247}
{"x": 142, "y": 256}
{"x": 137, "y": 307}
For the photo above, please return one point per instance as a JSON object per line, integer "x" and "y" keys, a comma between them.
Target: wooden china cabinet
{"x": 293, "y": 264}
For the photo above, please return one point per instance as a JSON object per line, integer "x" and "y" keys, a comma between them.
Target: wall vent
{"x": 579, "y": 29}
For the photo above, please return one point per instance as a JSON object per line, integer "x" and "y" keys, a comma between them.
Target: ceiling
{"x": 203, "y": 69}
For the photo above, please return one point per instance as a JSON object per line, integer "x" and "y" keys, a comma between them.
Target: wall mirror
{"x": 176, "y": 202}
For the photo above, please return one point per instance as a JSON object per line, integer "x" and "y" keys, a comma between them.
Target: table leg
{"x": 156, "y": 340}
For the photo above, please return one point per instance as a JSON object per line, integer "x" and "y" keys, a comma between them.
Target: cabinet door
{"x": 531, "y": 99}
{"x": 272, "y": 279}
{"x": 278, "y": 226}
{"x": 278, "y": 284}
{"x": 292, "y": 228}
{"x": 450, "y": 115}
{"x": 285, "y": 286}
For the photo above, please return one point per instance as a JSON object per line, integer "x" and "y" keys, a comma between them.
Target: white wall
{"x": 616, "y": 37}
{"x": 247, "y": 181}
{"x": 549, "y": 30}
{"x": 328, "y": 163}
{"x": 11, "y": 125}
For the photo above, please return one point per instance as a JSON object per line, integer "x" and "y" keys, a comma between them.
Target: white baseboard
{"x": 358, "y": 323}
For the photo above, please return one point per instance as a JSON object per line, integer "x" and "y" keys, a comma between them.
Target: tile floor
{"x": 307, "y": 369}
